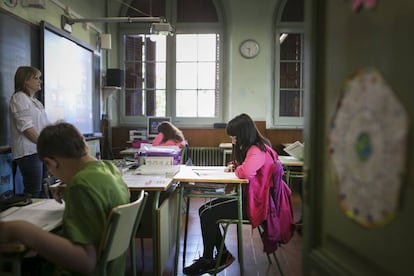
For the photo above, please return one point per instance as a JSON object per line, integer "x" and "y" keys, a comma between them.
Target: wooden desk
{"x": 155, "y": 184}
{"x": 293, "y": 168}
{"x": 290, "y": 161}
{"x": 45, "y": 213}
{"x": 188, "y": 177}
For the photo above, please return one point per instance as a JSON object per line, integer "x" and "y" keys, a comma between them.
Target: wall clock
{"x": 249, "y": 48}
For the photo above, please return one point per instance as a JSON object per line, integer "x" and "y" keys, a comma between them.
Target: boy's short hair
{"x": 61, "y": 140}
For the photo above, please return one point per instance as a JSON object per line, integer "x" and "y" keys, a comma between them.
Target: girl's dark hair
{"x": 170, "y": 131}
{"x": 61, "y": 140}
{"x": 247, "y": 134}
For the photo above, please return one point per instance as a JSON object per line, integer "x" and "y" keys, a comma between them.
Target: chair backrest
{"x": 121, "y": 226}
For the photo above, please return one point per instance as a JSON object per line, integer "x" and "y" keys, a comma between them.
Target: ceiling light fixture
{"x": 162, "y": 28}
{"x": 159, "y": 24}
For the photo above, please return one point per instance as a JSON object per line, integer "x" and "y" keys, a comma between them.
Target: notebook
{"x": 46, "y": 214}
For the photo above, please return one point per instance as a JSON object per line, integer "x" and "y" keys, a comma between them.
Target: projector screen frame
{"x": 95, "y": 99}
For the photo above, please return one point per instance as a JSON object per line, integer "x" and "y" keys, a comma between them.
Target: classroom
{"x": 331, "y": 73}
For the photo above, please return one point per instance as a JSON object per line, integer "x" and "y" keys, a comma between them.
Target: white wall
{"x": 248, "y": 81}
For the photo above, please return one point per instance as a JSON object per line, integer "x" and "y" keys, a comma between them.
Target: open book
{"x": 295, "y": 149}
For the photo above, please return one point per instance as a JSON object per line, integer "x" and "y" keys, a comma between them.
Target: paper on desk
{"x": 46, "y": 214}
{"x": 212, "y": 173}
{"x": 146, "y": 181}
{"x": 295, "y": 149}
{"x": 215, "y": 174}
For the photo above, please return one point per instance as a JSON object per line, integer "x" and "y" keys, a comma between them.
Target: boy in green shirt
{"x": 93, "y": 188}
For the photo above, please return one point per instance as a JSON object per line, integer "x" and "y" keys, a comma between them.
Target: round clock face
{"x": 249, "y": 48}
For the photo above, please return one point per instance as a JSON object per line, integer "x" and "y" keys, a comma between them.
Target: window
{"x": 290, "y": 75}
{"x": 197, "y": 68}
{"x": 177, "y": 76}
{"x": 145, "y": 75}
{"x": 289, "y": 66}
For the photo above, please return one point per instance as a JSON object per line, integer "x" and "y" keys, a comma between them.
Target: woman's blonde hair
{"x": 23, "y": 74}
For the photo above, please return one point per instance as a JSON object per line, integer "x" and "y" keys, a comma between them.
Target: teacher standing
{"x": 27, "y": 119}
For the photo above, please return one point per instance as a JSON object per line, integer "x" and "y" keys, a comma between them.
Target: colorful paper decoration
{"x": 10, "y": 3}
{"x": 357, "y": 5}
{"x": 367, "y": 144}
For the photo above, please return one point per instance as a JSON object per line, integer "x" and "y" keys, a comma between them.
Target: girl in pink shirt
{"x": 254, "y": 161}
{"x": 168, "y": 135}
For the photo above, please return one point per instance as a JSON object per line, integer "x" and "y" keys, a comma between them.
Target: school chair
{"x": 122, "y": 224}
{"x": 225, "y": 223}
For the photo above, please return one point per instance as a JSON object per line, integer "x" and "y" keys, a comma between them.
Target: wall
{"x": 249, "y": 81}
{"x": 55, "y": 8}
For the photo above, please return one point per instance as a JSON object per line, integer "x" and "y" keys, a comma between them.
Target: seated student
{"x": 169, "y": 135}
{"x": 93, "y": 188}
{"x": 254, "y": 159}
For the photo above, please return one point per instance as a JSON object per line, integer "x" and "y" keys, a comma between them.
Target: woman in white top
{"x": 27, "y": 118}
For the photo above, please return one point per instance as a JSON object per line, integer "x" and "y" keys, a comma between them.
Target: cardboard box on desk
{"x": 160, "y": 154}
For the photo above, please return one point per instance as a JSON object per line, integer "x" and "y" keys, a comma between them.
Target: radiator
{"x": 203, "y": 156}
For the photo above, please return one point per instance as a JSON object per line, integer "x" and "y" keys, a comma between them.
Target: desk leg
{"x": 288, "y": 177}
{"x": 187, "y": 209}
{"x": 155, "y": 237}
{"x": 177, "y": 240}
{"x": 240, "y": 230}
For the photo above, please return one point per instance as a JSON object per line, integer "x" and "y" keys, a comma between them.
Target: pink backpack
{"x": 279, "y": 226}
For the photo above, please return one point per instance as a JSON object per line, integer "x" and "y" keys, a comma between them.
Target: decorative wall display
{"x": 367, "y": 144}
{"x": 10, "y": 3}
{"x": 357, "y": 5}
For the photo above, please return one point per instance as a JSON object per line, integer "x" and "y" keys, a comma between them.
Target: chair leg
{"x": 142, "y": 254}
{"x": 187, "y": 208}
{"x": 268, "y": 255}
{"x": 225, "y": 226}
{"x": 261, "y": 236}
{"x": 132, "y": 253}
{"x": 277, "y": 262}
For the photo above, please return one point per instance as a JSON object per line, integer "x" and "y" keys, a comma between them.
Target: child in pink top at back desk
{"x": 169, "y": 135}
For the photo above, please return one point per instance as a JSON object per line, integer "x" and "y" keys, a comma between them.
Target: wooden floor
{"x": 255, "y": 261}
